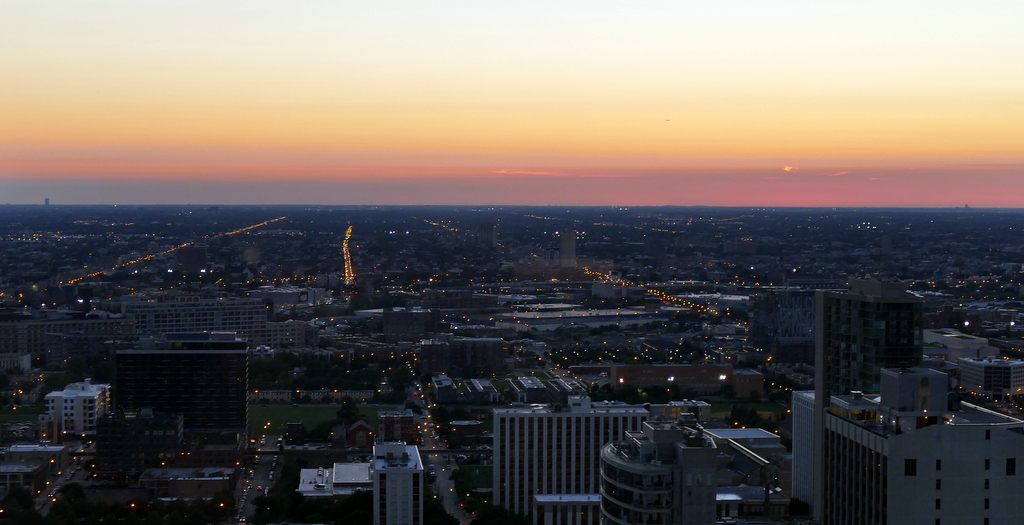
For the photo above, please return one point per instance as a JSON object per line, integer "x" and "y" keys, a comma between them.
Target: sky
{"x": 784, "y": 103}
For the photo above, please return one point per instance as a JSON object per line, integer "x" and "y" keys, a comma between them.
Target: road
{"x": 73, "y": 474}
{"x": 258, "y": 477}
{"x": 434, "y": 452}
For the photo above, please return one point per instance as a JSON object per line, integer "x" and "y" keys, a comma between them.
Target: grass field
{"x": 24, "y": 413}
{"x": 476, "y": 476}
{"x": 723, "y": 410}
{"x": 278, "y": 416}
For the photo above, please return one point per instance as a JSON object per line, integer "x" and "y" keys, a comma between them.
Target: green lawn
{"x": 726, "y": 408}
{"x": 310, "y": 415}
{"x": 476, "y": 476}
{"x": 22, "y": 413}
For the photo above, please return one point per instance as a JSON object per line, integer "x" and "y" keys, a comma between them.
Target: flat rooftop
{"x": 567, "y": 498}
{"x": 741, "y": 433}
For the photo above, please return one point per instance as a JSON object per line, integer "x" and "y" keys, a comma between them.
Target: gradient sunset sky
{"x": 783, "y": 103}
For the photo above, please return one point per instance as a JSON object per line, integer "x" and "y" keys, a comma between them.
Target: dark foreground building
{"x": 202, "y": 376}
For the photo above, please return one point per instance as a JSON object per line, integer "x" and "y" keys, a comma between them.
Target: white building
{"x": 955, "y": 344}
{"x": 74, "y": 410}
{"x": 544, "y": 450}
{"x": 339, "y": 481}
{"x": 662, "y": 474}
{"x": 992, "y": 376}
{"x": 910, "y": 456}
{"x": 398, "y": 484}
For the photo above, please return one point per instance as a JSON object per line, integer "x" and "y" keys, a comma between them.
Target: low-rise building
{"x": 339, "y": 481}
{"x": 997, "y": 378}
{"x": 73, "y": 412}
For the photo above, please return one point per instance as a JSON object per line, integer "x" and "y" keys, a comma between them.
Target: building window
{"x": 910, "y": 467}
{"x": 1011, "y": 466}
{"x": 988, "y": 434}
{"x": 986, "y": 483}
{"x": 938, "y": 484}
{"x": 986, "y": 503}
{"x": 938, "y": 504}
{"x": 988, "y": 464}
{"x": 938, "y": 464}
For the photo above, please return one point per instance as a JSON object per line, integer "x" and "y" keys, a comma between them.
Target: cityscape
{"x": 506, "y": 364}
{"x": 511, "y": 263}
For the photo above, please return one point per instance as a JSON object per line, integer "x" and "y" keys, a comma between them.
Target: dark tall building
{"x": 859, "y": 332}
{"x": 129, "y": 443}
{"x": 203, "y": 377}
{"x": 873, "y": 325}
{"x": 191, "y": 259}
{"x": 782, "y": 322}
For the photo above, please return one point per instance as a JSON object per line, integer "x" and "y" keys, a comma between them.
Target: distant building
{"x": 701, "y": 379}
{"x": 952, "y": 344}
{"x": 782, "y": 323}
{"x": 396, "y": 425}
{"x": 193, "y": 313}
{"x": 191, "y": 259}
{"x": 480, "y": 391}
{"x": 677, "y": 410}
{"x": 74, "y": 411}
{"x": 529, "y": 389}
{"x": 463, "y": 356}
{"x": 410, "y": 324}
{"x": 291, "y": 333}
{"x": 996, "y": 378}
{"x": 546, "y": 456}
{"x": 289, "y": 296}
{"x": 359, "y": 435}
{"x": 188, "y": 483}
{"x": 444, "y": 389}
{"x": 27, "y": 335}
{"x": 399, "y": 484}
{"x": 567, "y": 253}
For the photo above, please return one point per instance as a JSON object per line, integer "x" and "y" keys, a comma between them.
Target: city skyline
{"x": 793, "y": 104}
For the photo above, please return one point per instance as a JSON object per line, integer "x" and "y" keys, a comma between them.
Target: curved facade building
{"x": 664, "y": 474}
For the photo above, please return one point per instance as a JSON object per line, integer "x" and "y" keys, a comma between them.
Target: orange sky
{"x": 612, "y": 103}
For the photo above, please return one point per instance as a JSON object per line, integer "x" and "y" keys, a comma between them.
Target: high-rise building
{"x": 782, "y": 323}
{"x": 192, "y": 258}
{"x": 873, "y": 325}
{"x": 547, "y": 456}
{"x": 567, "y": 251}
{"x": 398, "y": 484}
{"x": 912, "y": 456}
{"x": 664, "y": 473}
{"x": 202, "y": 376}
